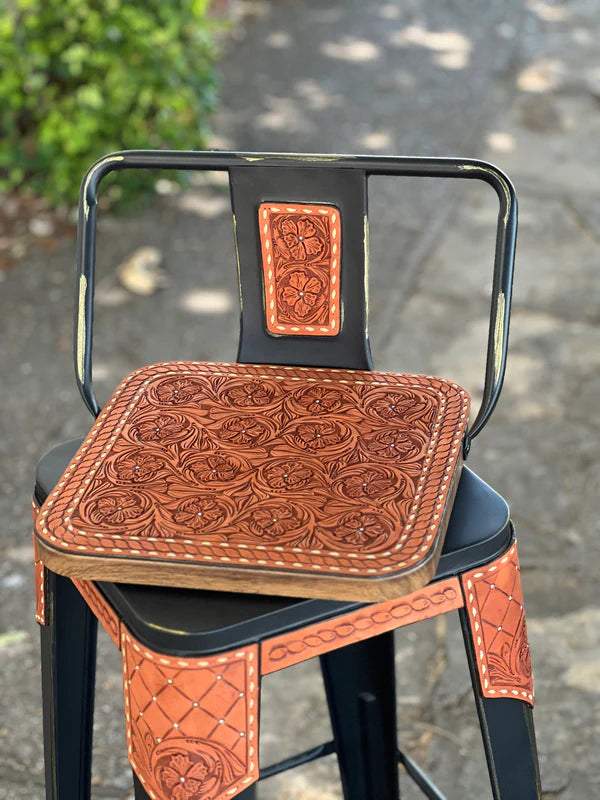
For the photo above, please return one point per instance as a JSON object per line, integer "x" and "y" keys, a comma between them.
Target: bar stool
{"x": 199, "y": 620}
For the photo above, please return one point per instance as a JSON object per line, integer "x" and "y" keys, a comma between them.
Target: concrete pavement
{"x": 517, "y": 83}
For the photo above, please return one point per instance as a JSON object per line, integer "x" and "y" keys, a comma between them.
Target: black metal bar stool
{"x": 193, "y": 657}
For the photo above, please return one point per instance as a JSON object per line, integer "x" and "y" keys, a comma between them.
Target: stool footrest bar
{"x": 419, "y": 777}
{"x": 319, "y": 751}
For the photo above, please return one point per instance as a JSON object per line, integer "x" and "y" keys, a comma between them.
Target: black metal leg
{"x": 68, "y": 644}
{"x": 360, "y": 686}
{"x": 140, "y": 792}
{"x": 508, "y": 737}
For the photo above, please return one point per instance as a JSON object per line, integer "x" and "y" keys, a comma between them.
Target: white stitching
{"x": 331, "y": 212}
{"x": 207, "y": 372}
{"x": 475, "y": 612}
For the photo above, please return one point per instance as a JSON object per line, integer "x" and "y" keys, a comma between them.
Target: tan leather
{"x": 101, "y": 609}
{"x": 323, "y": 473}
{"x": 300, "y": 645}
{"x": 39, "y": 575}
{"x": 301, "y": 258}
{"x": 494, "y": 600}
{"x": 192, "y": 724}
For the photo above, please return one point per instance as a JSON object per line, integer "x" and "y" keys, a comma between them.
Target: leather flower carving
{"x": 177, "y": 391}
{"x": 302, "y": 292}
{"x": 244, "y": 430}
{"x": 318, "y": 435}
{"x": 288, "y": 475}
{"x": 367, "y": 483}
{"x": 199, "y": 513}
{"x": 252, "y": 393}
{"x": 184, "y": 779}
{"x": 273, "y": 520}
{"x": 214, "y": 467}
{"x": 162, "y": 429}
{"x": 115, "y": 508}
{"x": 273, "y": 457}
{"x": 405, "y": 406}
{"x": 361, "y": 530}
{"x": 394, "y": 445}
{"x": 320, "y": 399}
{"x": 301, "y": 254}
{"x": 138, "y": 467}
{"x": 300, "y": 238}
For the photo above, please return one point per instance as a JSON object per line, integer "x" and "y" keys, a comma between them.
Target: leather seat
{"x": 173, "y": 620}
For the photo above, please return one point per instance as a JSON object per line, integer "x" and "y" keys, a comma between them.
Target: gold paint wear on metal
{"x": 81, "y": 333}
{"x": 499, "y": 335}
{"x": 86, "y": 208}
{"x": 237, "y": 261}
{"x": 503, "y": 183}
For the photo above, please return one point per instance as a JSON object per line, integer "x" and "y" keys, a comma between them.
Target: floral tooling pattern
{"x": 284, "y": 467}
{"x": 301, "y": 257}
{"x": 494, "y": 600}
{"x": 192, "y": 724}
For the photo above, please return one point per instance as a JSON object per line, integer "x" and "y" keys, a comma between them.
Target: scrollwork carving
{"x": 282, "y": 467}
{"x": 192, "y": 724}
{"x": 301, "y": 266}
{"x": 497, "y": 618}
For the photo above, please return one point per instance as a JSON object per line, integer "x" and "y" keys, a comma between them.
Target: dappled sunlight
{"x": 219, "y": 141}
{"x": 452, "y": 48}
{"x": 582, "y": 36}
{"x": 206, "y": 301}
{"x": 389, "y": 11}
{"x": 549, "y": 12}
{"x": 315, "y": 96}
{"x": 349, "y": 48}
{"x": 102, "y": 371}
{"x": 377, "y": 140}
{"x": 500, "y": 141}
{"x": 165, "y": 187}
{"x": 542, "y": 75}
{"x": 283, "y": 114}
{"x": 453, "y": 59}
{"x": 110, "y": 295}
{"x": 204, "y": 204}
{"x": 526, "y": 373}
{"x": 278, "y": 39}
{"x": 484, "y": 214}
{"x": 211, "y": 178}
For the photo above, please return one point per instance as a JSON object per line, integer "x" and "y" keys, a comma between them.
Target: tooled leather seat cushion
{"x": 339, "y": 475}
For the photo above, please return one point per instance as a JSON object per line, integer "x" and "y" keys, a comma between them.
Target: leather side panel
{"x": 192, "y": 724}
{"x": 494, "y": 599}
{"x": 291, "y": 648}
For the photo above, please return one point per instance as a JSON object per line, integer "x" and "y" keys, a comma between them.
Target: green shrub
{"x": 80, "y": 78}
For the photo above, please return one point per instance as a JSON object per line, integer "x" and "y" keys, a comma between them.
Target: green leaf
{"x": 80, "y": 78}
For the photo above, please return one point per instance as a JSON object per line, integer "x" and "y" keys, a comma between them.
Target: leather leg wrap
{"x": 192, "y": 724}
{"x": 39, "y": 575}
{"x": 494, "y": 603}
{"x": 99, "y": 606}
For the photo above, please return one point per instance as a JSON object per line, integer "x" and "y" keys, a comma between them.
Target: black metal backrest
{"x": 346, "y": 190}
{"x": 335, "y": 181}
